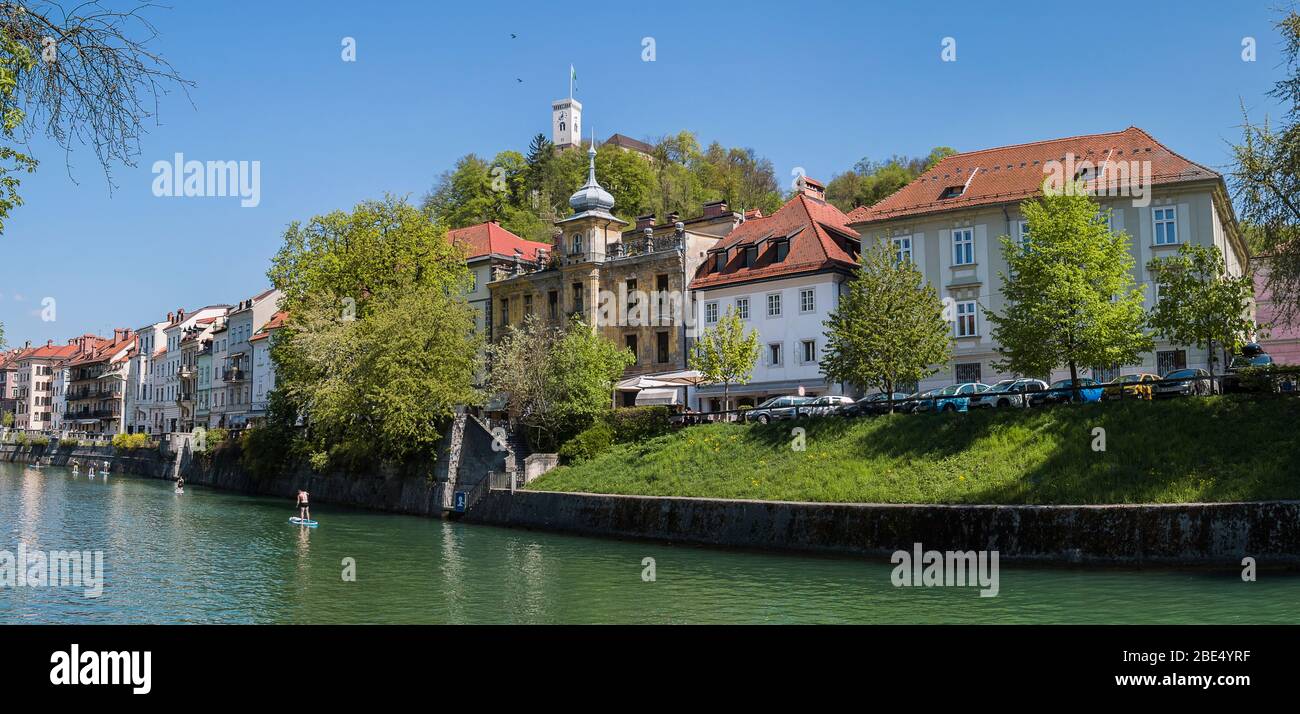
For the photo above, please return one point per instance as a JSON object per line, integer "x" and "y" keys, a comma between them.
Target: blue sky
{"x": 817, "y": 88}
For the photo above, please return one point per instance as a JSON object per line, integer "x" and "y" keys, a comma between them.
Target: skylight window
{"x": 951, "y": 192}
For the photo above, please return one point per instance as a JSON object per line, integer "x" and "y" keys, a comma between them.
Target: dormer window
{"x": 720, "y": 261}
{"x": 951, "y": 192}
{"x": 751, "y": 256}
{"x": 781, "y": 250}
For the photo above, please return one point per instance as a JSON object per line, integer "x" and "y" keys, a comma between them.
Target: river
{"x": 216, "y": 557}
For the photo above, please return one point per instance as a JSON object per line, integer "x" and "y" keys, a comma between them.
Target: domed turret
{"x": 591, "y": 197}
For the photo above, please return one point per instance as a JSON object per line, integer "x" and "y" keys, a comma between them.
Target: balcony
{"x": 185, "y": 372}
{"x": 232, "y": 375}
{"x": 184, "y": 397}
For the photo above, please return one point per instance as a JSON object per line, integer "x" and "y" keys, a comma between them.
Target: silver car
{"x": 1189, "y": 382}
{"x": 776, "y": 408}
{"x": 824, "y": 406}
{"x": 1008, "y": 393}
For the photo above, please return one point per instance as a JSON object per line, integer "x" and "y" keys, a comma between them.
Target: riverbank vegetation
{"x": 1189, "y": 450}
{"x": 379, "y": 347}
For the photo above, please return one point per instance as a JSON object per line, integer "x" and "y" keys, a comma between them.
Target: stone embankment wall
{"x": 1217, "y": 534}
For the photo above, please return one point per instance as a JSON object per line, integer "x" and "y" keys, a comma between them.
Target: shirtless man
{"x": 304, "y": 511}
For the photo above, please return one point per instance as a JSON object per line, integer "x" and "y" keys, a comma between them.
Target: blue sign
{"x": 459, "y": 502}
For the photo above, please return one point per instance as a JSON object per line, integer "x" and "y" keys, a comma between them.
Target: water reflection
{"x": 209, "y": 556}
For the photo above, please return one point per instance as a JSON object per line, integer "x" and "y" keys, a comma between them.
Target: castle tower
{"x": 566, "y": 119}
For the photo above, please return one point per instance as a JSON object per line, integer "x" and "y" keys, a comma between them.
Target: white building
{"x": 141, "y": 406}
{"x": 167, "y": 367}
{"x": 782, "y": 274}
{"x": 263, "y": 365}
{"x": 233, "y": 360}
{"x": 948, "y": 222}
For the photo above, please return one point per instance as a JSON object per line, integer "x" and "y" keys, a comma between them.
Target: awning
{"x": 659, "y": 395}
{"x": 663, "y": 379}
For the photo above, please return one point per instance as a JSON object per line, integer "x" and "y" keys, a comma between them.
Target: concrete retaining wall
{"x": 1219, "y": 534}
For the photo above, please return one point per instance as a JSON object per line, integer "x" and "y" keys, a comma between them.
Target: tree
{"x": 1266, "y": 181}
{"x": 1200, "y": 303}
{"x": 724, "y": 354}
{"x": 888, "y": 328}
{"x": 84, "y": 76}
{"x": 1070, "y": 298}
{"x": 869, "y": 182}
{"x": 379, "y": 345}
{"x": 556, "y": 381}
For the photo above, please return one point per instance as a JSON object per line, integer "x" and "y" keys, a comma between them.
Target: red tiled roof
{"x": 491, "y": 239}
{"x": 273, "y": 324}
{"x": 49, "y": 352}
{"x": 819, "y": 239}
{"x": 102, "y": 348}
{"x": 1014, "y": 173}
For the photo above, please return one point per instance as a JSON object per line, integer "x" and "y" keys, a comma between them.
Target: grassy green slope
{"x": 1211, "y": 449}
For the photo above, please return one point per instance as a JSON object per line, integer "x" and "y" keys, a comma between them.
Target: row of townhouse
{"x": 197, "y": 369}
{"x": 783, "y": 274}
{"x": 78, "y": 386}
{"x": 207, "y": 368}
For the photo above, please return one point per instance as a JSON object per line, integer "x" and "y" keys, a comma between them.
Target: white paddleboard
{"x": 300, "y": 522}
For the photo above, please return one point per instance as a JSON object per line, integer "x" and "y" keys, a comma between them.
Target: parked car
{"x": 1252, "y": 355}
{"x": 956, "y": 398}
{"x": 1007, "y": 393}
{"x": 776, "y": 408}
{"x": 877, "y": 403}
{"x": 1184, "y": 382}
{"x": 1130, "y": 386}
{"x": 1062, "y": 391}
{"x": 827, "y": 405}
{"x": 921, "y": 401}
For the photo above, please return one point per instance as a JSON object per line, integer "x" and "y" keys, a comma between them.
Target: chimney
{"x": 171, "y": 317}
{"x": 714, "y": 209}
{"x": 646, "y": 221}
{"x": 27, "y": 345}
{"x": 812, "y": 188}
{"x": 180, "y": 315}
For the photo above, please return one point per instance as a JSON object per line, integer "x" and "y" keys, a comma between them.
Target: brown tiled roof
{"x": 1014, "y": 173}
{"x": 273, "y": 324}
{"x": 819, "y": 235}
{"x": 491, "y": 239}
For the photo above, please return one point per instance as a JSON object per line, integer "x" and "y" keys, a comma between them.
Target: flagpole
{"x": 570, "y": 82}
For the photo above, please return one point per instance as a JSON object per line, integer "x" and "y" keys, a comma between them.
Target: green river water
{"x": 215, "y": 557}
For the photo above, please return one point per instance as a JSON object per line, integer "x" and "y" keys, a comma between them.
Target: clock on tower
{"x": 566, "y": 123}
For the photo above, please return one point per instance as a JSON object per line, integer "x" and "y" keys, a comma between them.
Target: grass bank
{"x": 1183, "y": 450}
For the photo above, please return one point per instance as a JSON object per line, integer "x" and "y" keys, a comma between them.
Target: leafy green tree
{"x": 1266, "y": 181}
{"x": 724, "y": 354}
{"x": 888, "y": 329}
{"x": 1200, "y": 303}
{"x": 1070, "y": 298}
{"x": 557, "y": 381}
{"x": 379, "y": 345}
{"x": 870, "y": 182}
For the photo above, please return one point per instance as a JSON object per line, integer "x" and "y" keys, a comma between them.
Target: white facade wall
{"x": 790, "y": 330}
{"x": 1198, "y": 220}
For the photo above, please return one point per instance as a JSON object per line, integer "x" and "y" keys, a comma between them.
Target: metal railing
{"x": 1284, "y": 381}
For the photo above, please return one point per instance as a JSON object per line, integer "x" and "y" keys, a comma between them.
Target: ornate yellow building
{"x": 630, "y": 285}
